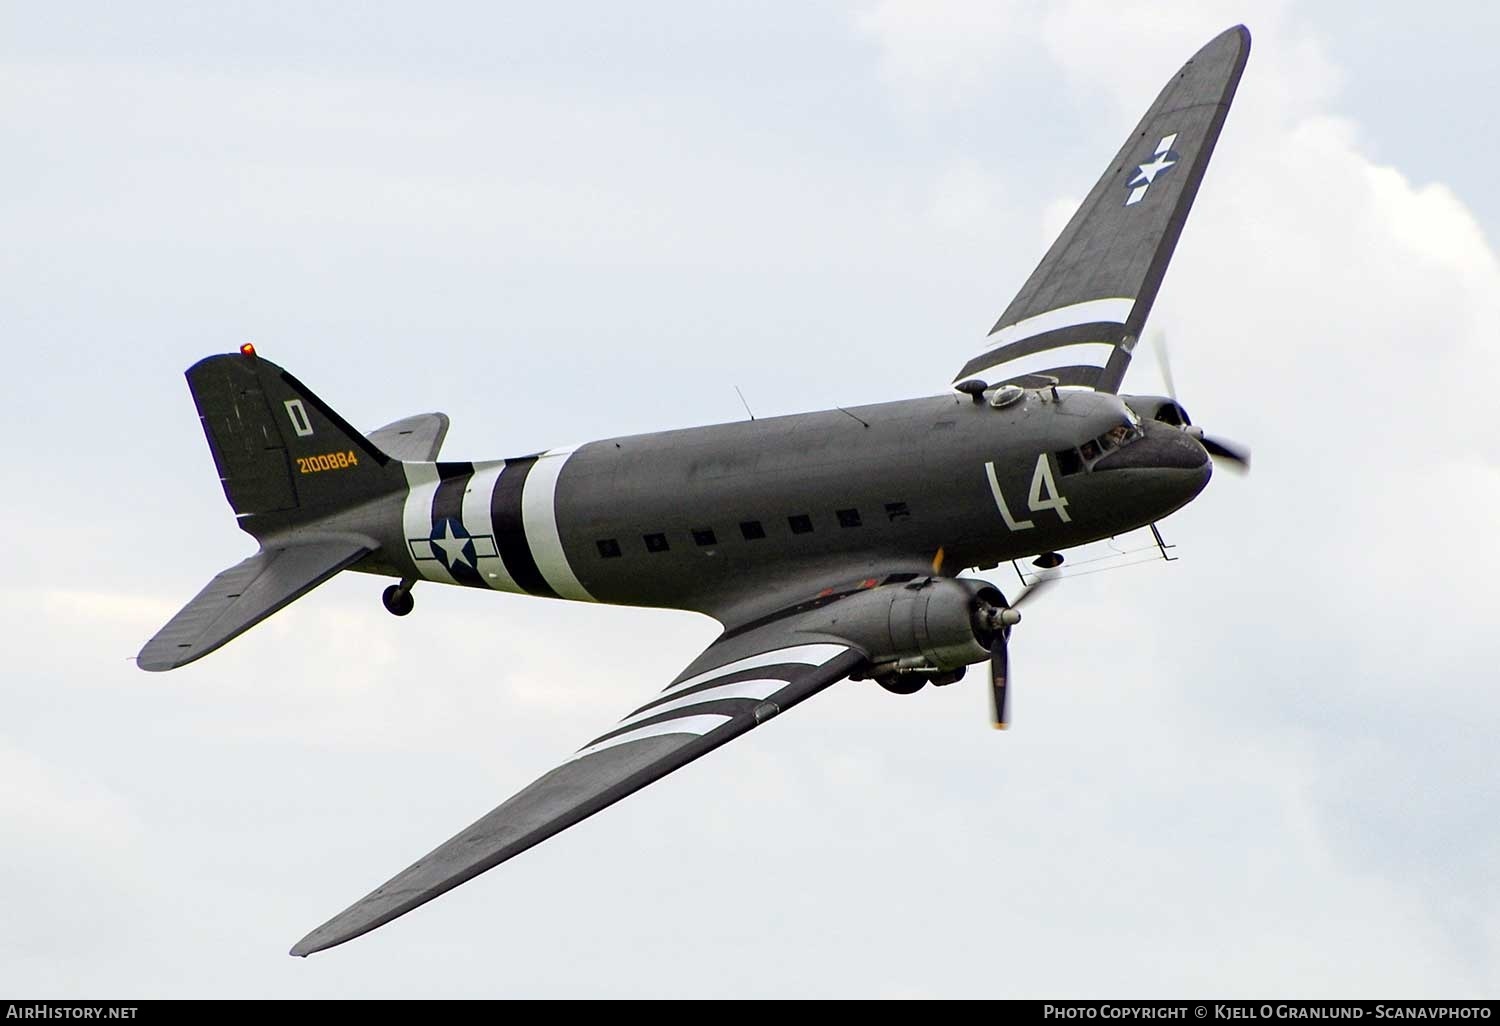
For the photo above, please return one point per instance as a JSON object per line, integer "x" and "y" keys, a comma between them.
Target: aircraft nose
{"x": 1163, "y": 448}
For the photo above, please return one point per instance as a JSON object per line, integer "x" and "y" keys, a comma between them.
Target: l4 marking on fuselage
{"x": 1044, "y": 495}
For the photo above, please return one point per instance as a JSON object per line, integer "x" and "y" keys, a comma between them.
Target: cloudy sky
{"x": 1266, "y": 769}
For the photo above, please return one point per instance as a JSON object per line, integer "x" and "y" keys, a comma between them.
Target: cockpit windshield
{"x": 1076, "y": 461}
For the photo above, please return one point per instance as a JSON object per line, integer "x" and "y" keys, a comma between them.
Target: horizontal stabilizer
{"x": 414, "y": 439}
{"x": 247, "y": 593}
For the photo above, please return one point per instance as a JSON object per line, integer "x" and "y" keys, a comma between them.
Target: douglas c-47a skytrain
{"x": 827, "y": 544}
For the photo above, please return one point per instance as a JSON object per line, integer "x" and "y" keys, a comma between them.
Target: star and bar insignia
{"x": 453, "y": 546}
{"x": 1161, "y": 160}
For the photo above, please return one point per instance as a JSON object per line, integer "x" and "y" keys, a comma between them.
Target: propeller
{"x": 1237, "y": 455}
{"x": 1159, "y": 343}
{"x": 999, "y": 620}
{"x": 999, "y": 683}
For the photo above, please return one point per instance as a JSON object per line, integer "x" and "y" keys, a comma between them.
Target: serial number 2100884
{"x": 327, "y": 461}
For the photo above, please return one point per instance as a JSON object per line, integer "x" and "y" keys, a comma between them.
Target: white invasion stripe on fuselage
{"x": 810, "y": 655}
{"x": 539, "y": 516}
{"x": 478, "y": 522}
{"x": 416, "y": 518}
{"x": 699, "y": 725}
{"x": 762, "y": 687}
{"x": 1095, "y": 311}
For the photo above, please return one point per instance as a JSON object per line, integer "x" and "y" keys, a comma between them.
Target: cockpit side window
{"x": 1068, "y": 462}
{"x": 1073, "y": 461}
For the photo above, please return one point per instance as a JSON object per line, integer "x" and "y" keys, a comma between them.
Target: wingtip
{"x": 1239, "y": 33}
{"x": 152, "y": 659}
{"x": 319, "y": 940}
{"x": 306, "y": 946}
{"x": 1235, "y": 38}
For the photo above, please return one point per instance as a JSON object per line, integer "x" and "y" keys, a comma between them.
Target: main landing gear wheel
{"x": 398, "y": 600}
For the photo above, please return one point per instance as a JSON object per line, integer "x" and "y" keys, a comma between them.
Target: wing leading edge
{"x": 737, "y": 684}
{"x": 1079, "y": 314}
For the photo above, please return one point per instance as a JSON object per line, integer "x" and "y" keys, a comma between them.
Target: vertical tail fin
{"x": 284, "y": 456}
{"x": 286, "y": 462}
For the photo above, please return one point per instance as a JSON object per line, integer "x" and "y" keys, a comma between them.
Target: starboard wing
{"x": 739, "y": 682}
{"x": 1078, "y": 316}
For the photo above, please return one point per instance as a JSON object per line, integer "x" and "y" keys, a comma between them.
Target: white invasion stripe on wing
{"x": 699, "y": 725}
{"x": 811, "y": 655}
{"x": 1095, "y": 311}
{"x": 762, "y": 687}
{"x": 416, "y": 520}
{"x": 1083, "y": 354}
{"x": 539, "y": 515}
{"x": 480, "y": 524}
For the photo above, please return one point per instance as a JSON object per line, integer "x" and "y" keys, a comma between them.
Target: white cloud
{"x": 945, "y": 53}
{"x": 966, "y": 200}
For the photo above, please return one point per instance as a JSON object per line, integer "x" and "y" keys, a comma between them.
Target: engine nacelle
{"x": 939, "y": 621}
{"x": 934, "y": 626}
{"x": 1158, "y": 408}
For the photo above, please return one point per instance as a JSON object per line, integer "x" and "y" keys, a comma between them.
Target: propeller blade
{"x": 1159, "y": 343}
{"x": 1237, "y": 455}
{"x": 1038, "y": 584}
{"x": 999, "y": 682}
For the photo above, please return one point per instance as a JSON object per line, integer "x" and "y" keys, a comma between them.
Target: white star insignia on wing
{"x": 1148, "y": 172}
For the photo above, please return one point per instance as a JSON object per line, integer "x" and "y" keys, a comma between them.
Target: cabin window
{"x": 897, "y": 511}
{"x": 800, "y": 524}
{"x": 656, "y": 542}
{"x": 608, "y": 548}
{"x": 752, "y": 530}
{"x": 848, "y": 518}
{"x": 704, "y": 536}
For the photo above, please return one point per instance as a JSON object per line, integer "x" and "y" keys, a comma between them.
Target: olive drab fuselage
{"x": 694, "y": 518}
